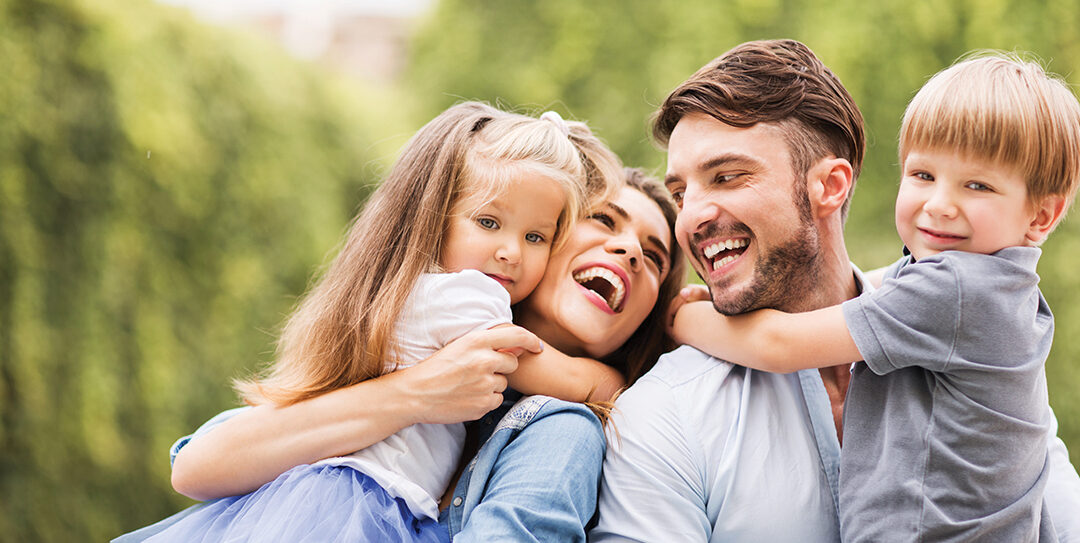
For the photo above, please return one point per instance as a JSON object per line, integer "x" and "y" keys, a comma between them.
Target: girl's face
{"x": 604, "y": 281}
{"x": 506, "y": 236}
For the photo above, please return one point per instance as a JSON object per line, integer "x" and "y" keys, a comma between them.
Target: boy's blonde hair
{"x": 341, "y": 333}
{"x": 1000, "y": 107}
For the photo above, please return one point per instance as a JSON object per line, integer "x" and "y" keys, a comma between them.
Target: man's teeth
{"x": 617, "y": 292}
{"x": 720, "y": 263}
{"x": 715, "y": 248}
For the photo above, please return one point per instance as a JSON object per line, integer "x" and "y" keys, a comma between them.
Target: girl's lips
{"x": 502, "y": 279}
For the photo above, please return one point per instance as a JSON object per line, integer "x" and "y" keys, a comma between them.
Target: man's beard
{"x": 783, "y": 277}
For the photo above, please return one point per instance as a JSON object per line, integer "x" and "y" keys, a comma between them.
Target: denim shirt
{"x": 535, "y": 479}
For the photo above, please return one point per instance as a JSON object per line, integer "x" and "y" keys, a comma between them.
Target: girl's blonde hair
{"x": 1002, "y": 108}
{"x": 341, "y": 333}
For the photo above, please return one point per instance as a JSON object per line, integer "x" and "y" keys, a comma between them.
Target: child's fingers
{"x": 695, "y": 293}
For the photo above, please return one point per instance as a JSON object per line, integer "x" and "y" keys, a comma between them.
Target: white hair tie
{"x": 557, "y": 120}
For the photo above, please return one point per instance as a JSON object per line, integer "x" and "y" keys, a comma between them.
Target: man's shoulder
{"x": 684, "y": 367}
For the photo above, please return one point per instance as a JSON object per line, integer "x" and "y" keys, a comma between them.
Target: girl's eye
{"x": 923, "y": 176}
{"x": 487, "y": 222}
{"x": 533, "y": 237}
{"x": 975, "y": 185}
{"x": 604, "y": 219}
{"x": 656, "y": 259}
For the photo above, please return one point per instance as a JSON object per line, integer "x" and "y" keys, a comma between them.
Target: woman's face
{"x": 604, "y": 281}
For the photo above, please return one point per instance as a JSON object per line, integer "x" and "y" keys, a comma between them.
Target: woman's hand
{"x": 466, "y": 379}
{"x": 463, "y": 381}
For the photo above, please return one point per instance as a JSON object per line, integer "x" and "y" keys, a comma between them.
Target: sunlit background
{"x": 173, "y": 174}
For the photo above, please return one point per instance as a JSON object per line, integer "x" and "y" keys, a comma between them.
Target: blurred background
{"x": 173, "y": 174}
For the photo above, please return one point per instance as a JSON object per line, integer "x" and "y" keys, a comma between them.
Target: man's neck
{"x": 836, "y": 286}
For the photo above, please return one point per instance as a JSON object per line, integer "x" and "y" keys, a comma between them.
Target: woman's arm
{"x": 461, "y": 382}
{"x": 568, "y": 378}
{"x": 768, "y": 339}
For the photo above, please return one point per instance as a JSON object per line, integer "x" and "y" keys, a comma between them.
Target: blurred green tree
{"x": 611, "y": 62}
{"x": 166, "y": 191}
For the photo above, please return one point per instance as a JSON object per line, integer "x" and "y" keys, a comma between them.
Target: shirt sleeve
{"x": 652, "y": 488}
{"x": 455, "y": 304}
{"x": 912, "y": 320}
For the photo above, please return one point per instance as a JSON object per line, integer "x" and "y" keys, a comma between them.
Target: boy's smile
{"x": 948, "y": 201}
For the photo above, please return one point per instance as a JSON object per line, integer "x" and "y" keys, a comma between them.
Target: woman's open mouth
{"x": 607, "y": 284}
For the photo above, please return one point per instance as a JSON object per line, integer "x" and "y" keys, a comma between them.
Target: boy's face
{"x": 951, "y": 202}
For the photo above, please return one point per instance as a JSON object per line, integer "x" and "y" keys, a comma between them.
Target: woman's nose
{"x": 629, "y": 248}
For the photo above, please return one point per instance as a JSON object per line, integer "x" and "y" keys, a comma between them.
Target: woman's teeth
{"x": 604, "y": 282}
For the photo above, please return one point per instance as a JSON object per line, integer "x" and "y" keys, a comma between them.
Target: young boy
{"x": 945, "y": 421}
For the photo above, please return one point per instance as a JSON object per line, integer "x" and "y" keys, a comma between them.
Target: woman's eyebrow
{"x": 617, "y": 209}
{"x": 652, "y": 239}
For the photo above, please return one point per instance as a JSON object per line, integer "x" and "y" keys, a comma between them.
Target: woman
{"x": 604, "y": 295}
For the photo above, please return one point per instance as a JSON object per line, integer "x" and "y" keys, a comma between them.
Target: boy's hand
{"x": 689, "y": 320}
{"x": 689, "y": 293}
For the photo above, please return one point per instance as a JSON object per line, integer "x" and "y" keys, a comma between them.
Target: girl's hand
{"x": 689, "y": 293}
{"x": 465, "y": 379}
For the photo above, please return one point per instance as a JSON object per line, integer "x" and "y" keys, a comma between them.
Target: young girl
{"x": 460, "y": 231}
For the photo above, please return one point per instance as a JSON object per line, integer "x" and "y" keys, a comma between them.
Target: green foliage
{"x": 611, "y": 62}
{"x": 166, "y": 191}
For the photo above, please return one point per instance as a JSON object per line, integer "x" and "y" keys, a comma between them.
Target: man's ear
{"x": 827, "y": 184}
{"x": 1048, "y": 213}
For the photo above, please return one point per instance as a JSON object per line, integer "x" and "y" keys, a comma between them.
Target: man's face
{"x": 743, "y": 221}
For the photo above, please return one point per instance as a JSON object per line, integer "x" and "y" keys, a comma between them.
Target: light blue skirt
{"x": 307, "y": 503}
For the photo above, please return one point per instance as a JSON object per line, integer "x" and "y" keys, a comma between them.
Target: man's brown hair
{"x": 774, "y": 81}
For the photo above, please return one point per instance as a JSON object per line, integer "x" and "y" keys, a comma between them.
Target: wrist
{"x": 403, "y": 401}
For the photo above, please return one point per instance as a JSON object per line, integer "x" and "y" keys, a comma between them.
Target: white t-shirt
{"x": 416, "y": 463}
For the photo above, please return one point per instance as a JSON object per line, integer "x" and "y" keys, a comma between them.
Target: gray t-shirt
{"x": 946, "y": 421}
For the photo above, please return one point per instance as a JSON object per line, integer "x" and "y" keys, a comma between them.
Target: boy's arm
{"x": 569, "y": 378}
{"x": 768, "y": 339}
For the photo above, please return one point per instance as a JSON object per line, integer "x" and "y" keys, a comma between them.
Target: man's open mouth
{"x": 605, "y": 283}
{"x": 724, "y": 252}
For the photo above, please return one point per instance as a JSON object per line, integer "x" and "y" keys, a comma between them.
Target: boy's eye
{"x": 533, "y": 237}
{"x": 604, "y": 219}
{"x": 487, "y": 222}
{"x": 975, "y": 185}
{"x": 923, "y": 176}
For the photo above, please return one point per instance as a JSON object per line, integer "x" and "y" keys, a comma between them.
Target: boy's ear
{"x": 828, "y": 183}
{"x": 1048, "y": 213}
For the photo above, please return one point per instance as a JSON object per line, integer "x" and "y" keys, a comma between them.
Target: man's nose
{"x": 697, "y": 211}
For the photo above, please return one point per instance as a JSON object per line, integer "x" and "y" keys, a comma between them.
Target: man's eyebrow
{"x": 727, "y": 159}
{"x": 717, "y": 161}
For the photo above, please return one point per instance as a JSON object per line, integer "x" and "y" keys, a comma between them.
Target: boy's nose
{"x": 941, "y": 203}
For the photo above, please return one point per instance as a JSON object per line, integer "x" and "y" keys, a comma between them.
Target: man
{"x": 764, "y": 146}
